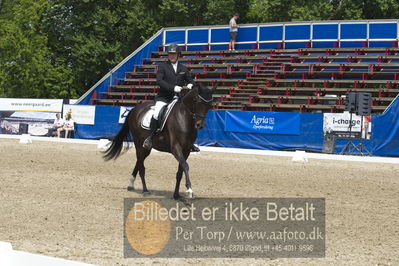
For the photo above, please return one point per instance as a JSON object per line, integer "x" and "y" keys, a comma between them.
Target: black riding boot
{"x": 153, "y": 128}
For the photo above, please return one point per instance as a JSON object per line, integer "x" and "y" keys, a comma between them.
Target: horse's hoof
{"x": 190, "y": 193}
{"x": 146, "y": 193}
{"x": 177, "y": 197}
{"x": 130, "y": 188}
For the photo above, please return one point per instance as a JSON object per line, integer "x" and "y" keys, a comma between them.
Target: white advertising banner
{"x": 81, "y": 114}
{"x": 124, "y": 111}
{"x": 340, "y": 122}
{"x": 38, "y": 105}
{"x": 73, "y": 101}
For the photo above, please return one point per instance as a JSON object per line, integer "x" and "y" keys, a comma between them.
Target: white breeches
{"x": 158, "y": 107}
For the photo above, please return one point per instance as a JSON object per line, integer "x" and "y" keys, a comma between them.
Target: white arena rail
{"x": 10, "y": 257}
{"x": 102, "y": 144}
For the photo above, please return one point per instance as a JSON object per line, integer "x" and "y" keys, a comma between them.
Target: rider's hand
{"x": 178, "y": 89}
{"x": 190, "y": 86}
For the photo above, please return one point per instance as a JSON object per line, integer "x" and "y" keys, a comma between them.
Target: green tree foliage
{"x": 220, "y": 11}
{"x": 269, "y": 10}
{"x": 60, "y": 48}
{"x": 381, "y": 9}
{"x": 94, "y": 36}
{"x": 310, "y": 10}
{"x": 306, "y": 10}
{"x": 344, "y": 9}
{"x": 27, "y": 66}
{"x": 172, "y": 13}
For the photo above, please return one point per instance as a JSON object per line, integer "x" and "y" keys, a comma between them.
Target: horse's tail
{"x": 116, "y": 147}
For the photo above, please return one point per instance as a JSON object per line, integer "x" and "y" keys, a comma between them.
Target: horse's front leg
{"x": 183, "y": 167}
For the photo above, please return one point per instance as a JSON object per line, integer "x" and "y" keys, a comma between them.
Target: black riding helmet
{"x": 173, "y": 49}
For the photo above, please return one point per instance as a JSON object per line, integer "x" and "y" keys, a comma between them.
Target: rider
{"x": 171, "y": 76}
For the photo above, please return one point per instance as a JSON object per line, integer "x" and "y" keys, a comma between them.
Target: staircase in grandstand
{"x": 299, "y": 80}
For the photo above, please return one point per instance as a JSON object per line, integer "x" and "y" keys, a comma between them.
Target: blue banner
{"x": 263, "y": 122}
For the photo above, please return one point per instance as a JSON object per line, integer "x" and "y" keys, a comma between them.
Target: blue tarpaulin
{"x": 384, "y": 140}
{"x": 386, "y": 131}
{"x": 310, "y": 129}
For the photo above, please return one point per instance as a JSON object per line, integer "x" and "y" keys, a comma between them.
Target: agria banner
{"x": 263, "y": 122}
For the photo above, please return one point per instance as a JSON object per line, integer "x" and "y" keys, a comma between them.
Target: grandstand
{"x": 300, "y": 80}
{"x": 294, "y": 67}
{"x": 304, "y": 68}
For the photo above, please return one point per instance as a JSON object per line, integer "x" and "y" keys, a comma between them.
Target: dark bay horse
{"x": 177, "y": 137}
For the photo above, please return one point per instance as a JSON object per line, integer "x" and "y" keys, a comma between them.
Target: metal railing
{"x": 338, "y": 39}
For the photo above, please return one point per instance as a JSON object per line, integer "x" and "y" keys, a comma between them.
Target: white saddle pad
{"x": 145, "y": 123}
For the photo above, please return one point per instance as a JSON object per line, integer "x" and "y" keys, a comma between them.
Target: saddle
{"x": 162, "y": 117}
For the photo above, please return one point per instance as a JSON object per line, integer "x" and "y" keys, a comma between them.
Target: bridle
{"x": 193, "y": 113}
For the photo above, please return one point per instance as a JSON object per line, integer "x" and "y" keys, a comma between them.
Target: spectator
{"x": 233, "y": 32}
{"x": 69, "y": 125}
{"x": 58, "y": 123}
